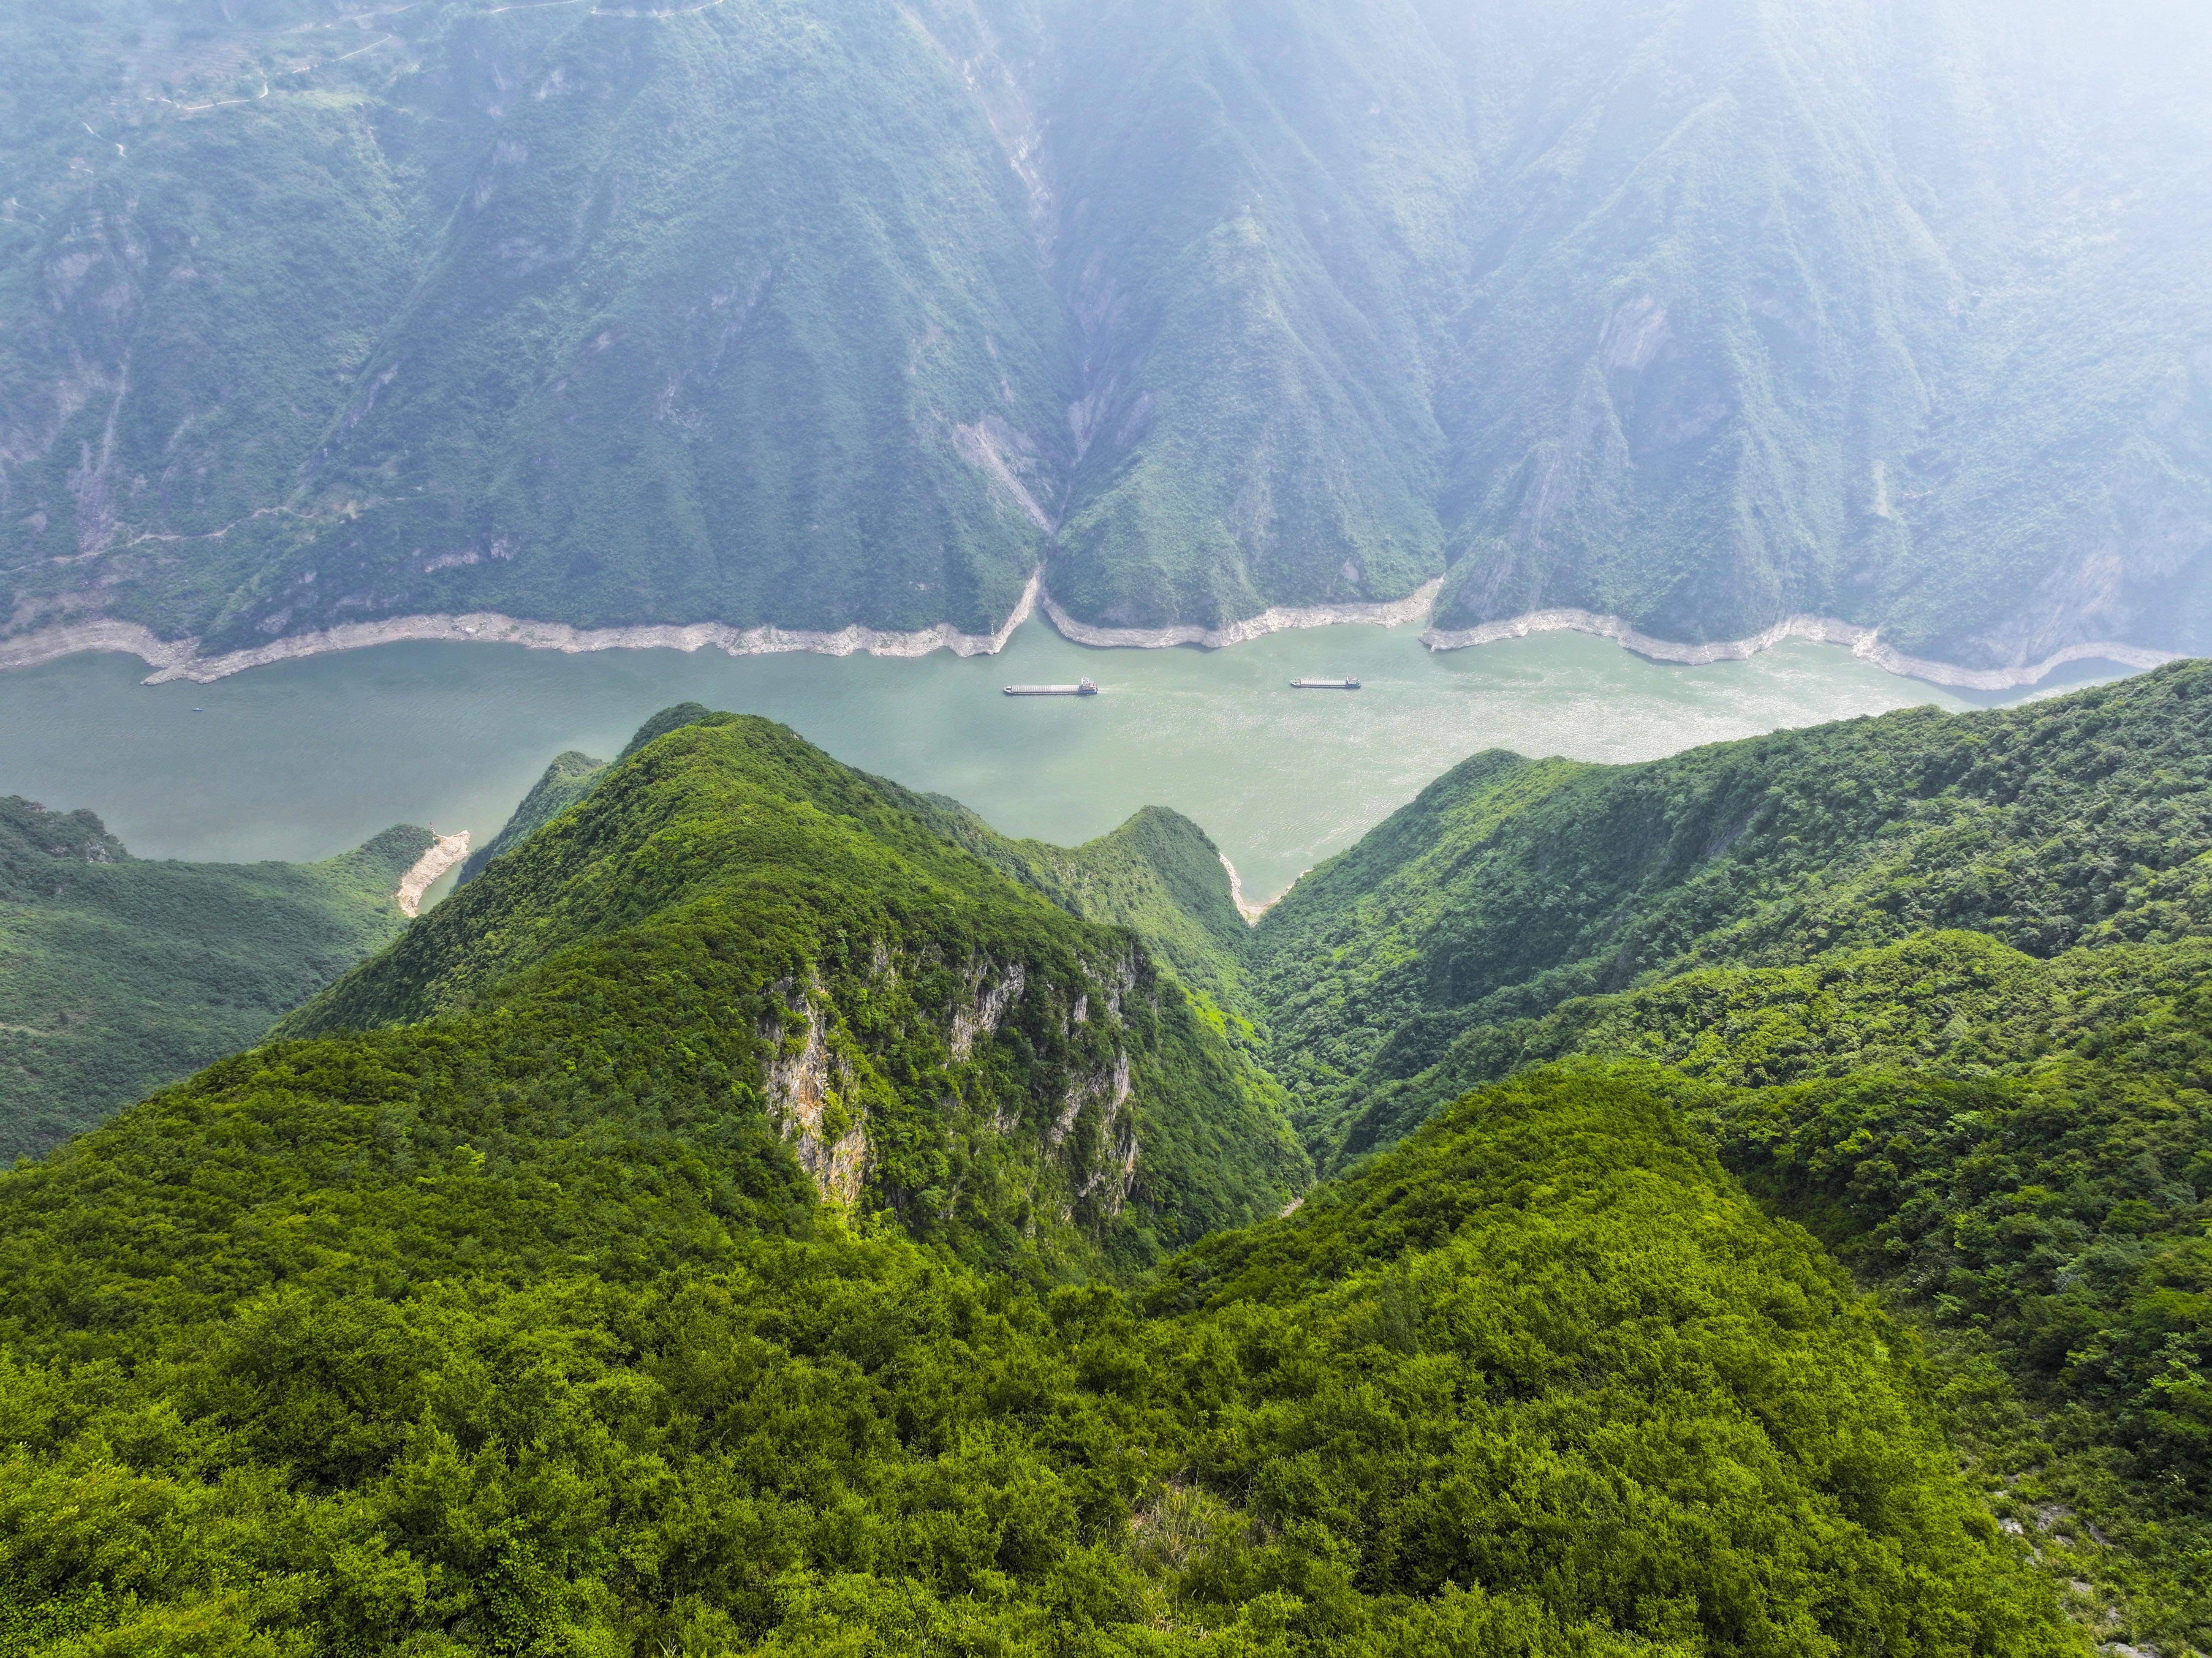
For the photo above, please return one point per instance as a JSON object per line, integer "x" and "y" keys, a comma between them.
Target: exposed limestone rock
{"x": 178, "y": 659}
{"x": 987, "y": 1005}
{"x": 1088, "y": 1153}
{"x": 1413, "y": 608}
{"x": 800, "y": 1080}
{"x": 1121, "y": 981}
{"x": 443, "y": 853}
{"x": 1099, "y": 1105}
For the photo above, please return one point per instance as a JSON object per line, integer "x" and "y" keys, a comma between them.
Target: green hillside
{"x": 1510, "y": 885}
{"x": 1261, "y": 265}
{"x": 501, "y": 1367}
{"x": 824, "y": 312}
{"x": 765, "y": 1210}
{"x": 118, "y": 975}
{"x": 2019, "y": 1150}
{"x": 1159, "y": 875}
{"x": 934, "y": 1042}
{"x": 565, "y": 781}
{"x": 1955, "y": 1003}
{"x": 1937, "y": 987}
{"x": 1783, "y": 308}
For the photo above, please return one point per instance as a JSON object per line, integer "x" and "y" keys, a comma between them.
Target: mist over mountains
{"x": 832, "y": 313}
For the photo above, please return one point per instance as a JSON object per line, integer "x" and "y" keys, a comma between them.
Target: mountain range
{"x": 1755, "y": 1202}
{"x": 1749, "y": 1202}
{"x": 836, "y": 322}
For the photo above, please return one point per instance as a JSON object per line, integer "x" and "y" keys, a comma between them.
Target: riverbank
{"x": 1863, "y": 642}
{"x": 1281, "y": 618}
{"x": 178, "y": 659}
{"x": 306, "y": 758}
{"x": 71, "y": 638}
{"x": 487, "y": 627}
{"x": 443, "y": 854}
{"x": 1245, "y": 907}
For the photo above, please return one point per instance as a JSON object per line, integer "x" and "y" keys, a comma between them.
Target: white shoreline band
{"x": 178, "y": 659}
{"x": 1864, "y": 642}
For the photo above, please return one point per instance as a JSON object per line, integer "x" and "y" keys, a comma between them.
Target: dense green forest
{"x": 824, "y": 312}
{"x": 1510, "y": 885}
{"x": 767, "y": 1210}
{"x": 2018, "y": 1150}
{"x": 420, "y": 1341}
{"x": 120, "y": 974}
{"x": 565, "y": 781}
{"x": 1947, "y": 977}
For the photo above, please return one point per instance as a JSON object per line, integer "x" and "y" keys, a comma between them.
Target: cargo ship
{"x": 1080, "y": 688}
{"x": 1325, "y": 685}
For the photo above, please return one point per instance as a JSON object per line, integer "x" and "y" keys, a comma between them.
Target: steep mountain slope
{"x": 1824, "y": 307}
{"x": 1954, "y": 1004}
{"x": 730, "y": 910}
{"x": 625, "y": 390}
{"x": 2004, "y": 1129}
{"x": 1159, "y": 874}
{"x": 810, "y": 315}
{"x": 1258, "y": 243}
{"x": 565, "y": 781}
{"x": 118, "y": 975}
{"x": 1510, "y": 885}
{"x": 530, "y": 350}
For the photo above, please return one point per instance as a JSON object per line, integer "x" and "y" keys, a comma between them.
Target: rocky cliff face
{"x": 1068, "y": 1147}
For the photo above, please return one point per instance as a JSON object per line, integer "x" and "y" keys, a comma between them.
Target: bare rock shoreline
{"x": 1413, "y": 608}
{"x": 443, "y": 852}
{"x": 1864, "y": 642}
{"x": 179, "y": 659}
{"x": 1245, "y": 907}
{"x": 489, "y": 627}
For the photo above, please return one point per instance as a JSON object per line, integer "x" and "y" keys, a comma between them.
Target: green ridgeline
{"x": 1959, "y": 1004}
{"x": 732, "y": 934}
{"x": 2065, "y": 1320}
{"x": 1948, "y": 979}
{"x": 565, "y": 781}
{"x": 1510, "y": 885}
{"x": 1159, "y": 875}
{"x": 707, "y": 1123}
{"x": 122, "y": 974}
{"x": 836, "y": 312}
{"x": 570, "y": 777}
{"x": 307, "y": 1357}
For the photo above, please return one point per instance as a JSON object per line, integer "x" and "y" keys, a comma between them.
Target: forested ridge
{"x": 123, "y": 974}
{"x": 1946, "y": 977}
{"x": 298, "y": 1371}
{"x": 766, "y": 1211}
{"x": 1510, "y": 885}
{"x": 2018, "y": 1152}
{"x": 1000, "y": 1074}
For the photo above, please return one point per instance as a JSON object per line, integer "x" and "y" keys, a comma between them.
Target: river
{"x": 305, "y": 758}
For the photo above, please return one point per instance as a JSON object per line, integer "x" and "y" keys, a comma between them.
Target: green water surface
{"x": 305, "y": 758}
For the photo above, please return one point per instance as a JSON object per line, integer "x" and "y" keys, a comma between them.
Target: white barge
{"x": 1080, "y": 688}
{"x": 1324, "y": 685}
